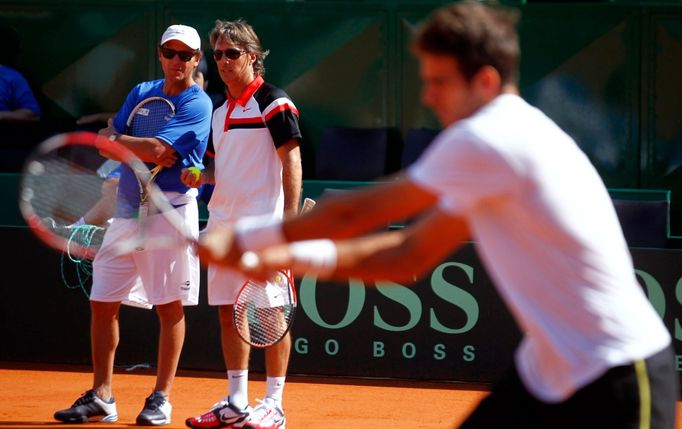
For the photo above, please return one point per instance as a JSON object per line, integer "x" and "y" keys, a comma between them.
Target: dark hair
{"x": 240, "y": 33}
{"x": 476, "y": 35}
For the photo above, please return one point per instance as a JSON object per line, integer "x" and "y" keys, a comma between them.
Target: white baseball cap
{"x": 184, "y": 34}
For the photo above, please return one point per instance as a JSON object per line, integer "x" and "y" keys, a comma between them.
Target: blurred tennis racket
{"x": 264, "y": 311}
{"x": 60, "y": 182}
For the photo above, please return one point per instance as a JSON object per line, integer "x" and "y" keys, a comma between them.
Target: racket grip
{"x": 308, "y": 204}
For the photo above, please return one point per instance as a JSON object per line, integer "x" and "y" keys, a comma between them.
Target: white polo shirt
{"x": 546, "y": 230}
{"x": 246, "y": 134}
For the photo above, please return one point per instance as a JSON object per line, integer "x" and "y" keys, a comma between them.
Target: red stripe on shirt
{"x": 279, "y": 109}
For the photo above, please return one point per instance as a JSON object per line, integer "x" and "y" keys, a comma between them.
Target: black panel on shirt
{"x": 283, "y": 125}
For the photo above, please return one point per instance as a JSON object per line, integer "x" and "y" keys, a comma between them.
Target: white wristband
{"x": 314, "y": 256}
{"x": 258, "y": 232}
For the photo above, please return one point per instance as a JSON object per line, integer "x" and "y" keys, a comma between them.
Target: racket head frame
{"x": 34, "y": 165}
{"x": 141, "y": 104}
{"x": 293, "y": 302}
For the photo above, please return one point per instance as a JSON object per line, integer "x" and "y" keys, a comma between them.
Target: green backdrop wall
{"x": 606, "y": 71}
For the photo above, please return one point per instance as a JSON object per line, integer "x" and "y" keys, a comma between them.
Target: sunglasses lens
{"x": 231, "y": 54}
{"x": 169, "y": 54}
{"x": 185, "y": 56}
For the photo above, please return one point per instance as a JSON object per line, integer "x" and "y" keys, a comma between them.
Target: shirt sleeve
{"x": 24, "y": 97}
{"x": 464, "y": 171}
{"x": 190, "y": 126}
{"x": 281, "y": 118}
{"x": 129, "y": 104}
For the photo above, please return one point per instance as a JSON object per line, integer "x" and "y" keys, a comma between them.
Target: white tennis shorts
{"x": 223, "y": 283}
{"x": 144, "y": 278}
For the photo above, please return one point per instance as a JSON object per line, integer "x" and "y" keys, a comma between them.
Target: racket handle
{"x": 308, "y": 204}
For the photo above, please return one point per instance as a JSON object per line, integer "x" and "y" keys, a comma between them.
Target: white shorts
{"x": 144, "y": 278}
{"x": 223, "y": 283}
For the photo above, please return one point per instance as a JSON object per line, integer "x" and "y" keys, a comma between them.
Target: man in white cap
{"x": 164, "y": 278}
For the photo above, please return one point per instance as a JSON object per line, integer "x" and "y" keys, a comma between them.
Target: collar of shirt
{"x": 243, "y": 98}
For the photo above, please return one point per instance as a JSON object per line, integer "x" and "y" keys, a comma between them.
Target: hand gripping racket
{"x": 264, "y": 311}
{"x": 60, "y": 182}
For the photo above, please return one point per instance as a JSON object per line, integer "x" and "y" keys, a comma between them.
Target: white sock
{"x": 238, "y": 386}
{"x": 274, "y": 388}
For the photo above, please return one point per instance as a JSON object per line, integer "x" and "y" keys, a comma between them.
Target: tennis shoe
{"x": 222, "y": 415}
{"x": 267, "y": 415}
{"x": 89, "y": 408}
{"x": 156, "y": 411}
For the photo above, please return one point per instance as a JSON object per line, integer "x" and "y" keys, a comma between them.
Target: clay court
{"x": 30, "y": 394}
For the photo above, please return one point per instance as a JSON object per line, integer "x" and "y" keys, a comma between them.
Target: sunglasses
{"x": 184, "y": 56}
{"x": 230, "y": 54}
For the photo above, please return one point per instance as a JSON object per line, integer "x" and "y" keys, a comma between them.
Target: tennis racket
{"x": 308, "y": 204}
{"x": 60, "y": 182}
{"x": 146, "y": 119}
{"x": 264, "y": 311}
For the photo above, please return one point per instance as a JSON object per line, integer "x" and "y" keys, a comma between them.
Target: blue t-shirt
{"x": 15, "y": 92}
{"x": 187, "y": 131}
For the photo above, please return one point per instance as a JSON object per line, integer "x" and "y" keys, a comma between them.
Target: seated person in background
{"x": 17, "y": 102}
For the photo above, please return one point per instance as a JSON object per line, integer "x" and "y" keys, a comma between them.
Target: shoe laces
{"x": 154, "y": 401}
{"x": 85, "y": 398}
{"x": 265, "y": 407}
{"x": 221, "y": 403}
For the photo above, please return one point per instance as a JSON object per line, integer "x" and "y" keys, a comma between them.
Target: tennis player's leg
{"x": 506, "y": 405}
{"x": 234, "y": 408}
{"x": 171, "y": 278}
{"x": 104, "y": 337}
{"x": 269, "y": 414}
{"x": 665, "y": 389}
{"x": 114, "y": 276}
{"x": 642, "y": 394}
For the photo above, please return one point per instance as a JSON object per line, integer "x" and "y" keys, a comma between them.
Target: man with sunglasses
{"x": 164, "y": 278}
{"x": 257, "y": 171}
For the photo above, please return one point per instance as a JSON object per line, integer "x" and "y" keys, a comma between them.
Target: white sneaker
{"x": 157, "y": 411}
{"x": 267, "y": 415}
{"x": 88, "y": 408}
{"x": 222, "y": 414}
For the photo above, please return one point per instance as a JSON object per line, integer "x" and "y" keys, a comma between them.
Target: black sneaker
{"x": 156, "y": 411}
{"x": 88, "y": 408}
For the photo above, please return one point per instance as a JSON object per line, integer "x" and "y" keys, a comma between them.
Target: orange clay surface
{"x": 30, "y": 394}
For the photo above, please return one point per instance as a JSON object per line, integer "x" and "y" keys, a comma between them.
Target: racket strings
{"x": 150, "y": 118}
{"x": 60, "y": 189}
{"x": 84, "y": 235}
{"x": 146, "y": 121}
{"x": 264, "y": 312}
{"x": 262, "y": 326}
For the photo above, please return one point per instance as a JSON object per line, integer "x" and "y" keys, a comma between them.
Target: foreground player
{"x": 257, "y": 171}
{"x": 594, "y": 353}
{"x": 165, "y": 278}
